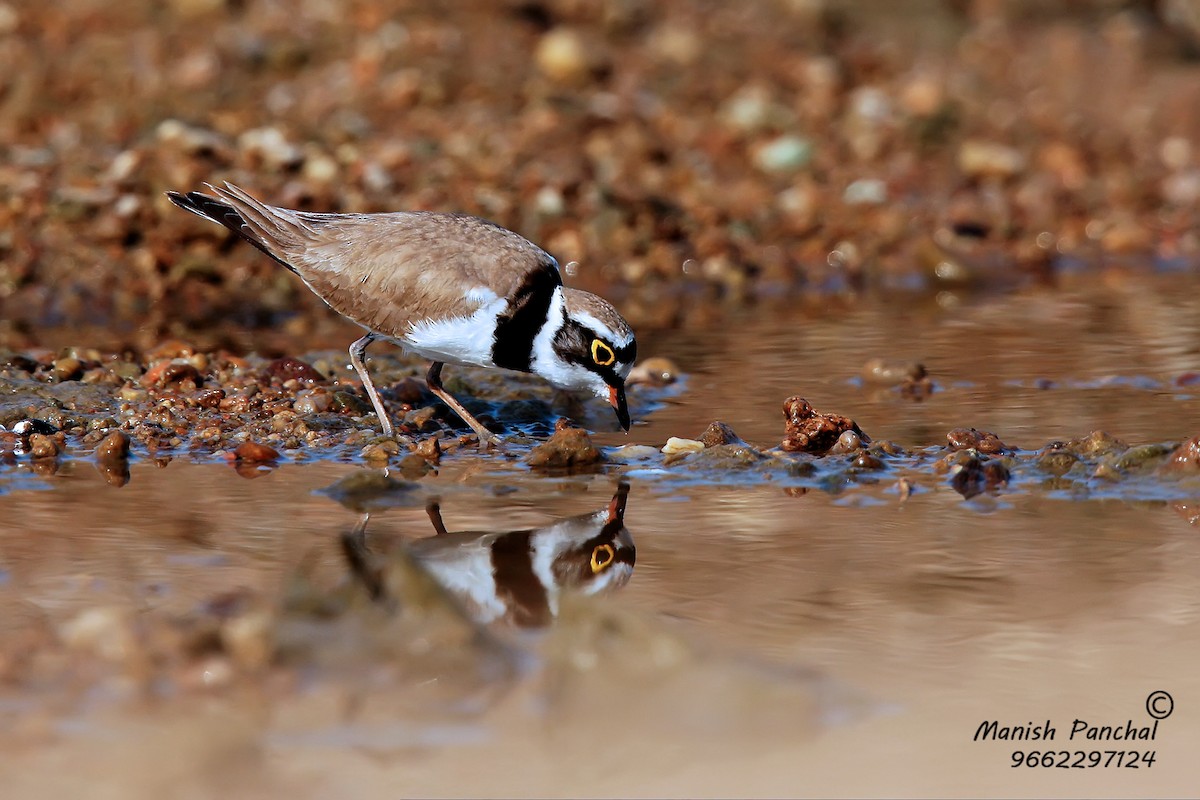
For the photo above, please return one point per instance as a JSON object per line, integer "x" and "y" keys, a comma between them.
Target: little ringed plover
{"x": 451, "y": 288}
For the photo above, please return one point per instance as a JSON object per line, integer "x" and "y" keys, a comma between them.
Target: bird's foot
{"x": 489, "y": 440}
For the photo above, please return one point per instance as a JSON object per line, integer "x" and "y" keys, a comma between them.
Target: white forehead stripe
{"x": 585, "y": 318}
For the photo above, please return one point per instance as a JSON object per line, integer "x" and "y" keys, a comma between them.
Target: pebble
{"x": 562, "y": 56}
{"x": 429, "y": 449}
{"x": 718, "y": 433}
{"x": 247, "y": 638}
{"x": 1185, "y": 457}
{"x": 1057, "y": 460}
{"x": 676, "y": 445}
{"x": 810, "y": 431}
{"x": 982, "y": 441}
{"x": 312, "y": 402}
{"x": 106, "y": 631}
{"x": 254, "y": 452}
{"x": 43, "y": 446}
{"x": 380, "y": 452}
{"x": 974, "y": 475}
{"x": 289, "y": 369}
{"x": 784, "y": 154}
{"x": 567, "y": 447}
{"x": 865, "y": 191}
{"x": 984, "y": 159}
{"x": 655, "y": 371}
{"x": 67, "y": 369}
{"x": 209, "y": 398}
{"x": 113, "y": 447}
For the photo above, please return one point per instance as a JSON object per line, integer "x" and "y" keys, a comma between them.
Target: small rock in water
{"x": 348, "y": 403}
{"x": 1056, "y": 459}
{"x": 677, "y": 445}
{"x": 848, "y": 442}
{"x": 312, "y": 401}
{"x": 971, "y": 439}
{"x": 972, "y": 476}
{"x": 113, "y": 447}
{"x": 568, "y": 447}
{"x": 718, "y": 433}
{"x": 29, "y": 426}
{"x": 429, "y": 449}
{"x": 381, "y": 452}
{"x": 809, "y": 431}
{"x": 255, "y": 453}
{"x": 1095, "y": 443}
{"x": 656, "y": 371}
{"x": 1185, "y": 457}
{"x": 43, "y": 446}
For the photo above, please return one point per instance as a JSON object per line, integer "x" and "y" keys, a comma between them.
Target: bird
{"x": 452, "y": 288}
{"x": 514, "y": 577}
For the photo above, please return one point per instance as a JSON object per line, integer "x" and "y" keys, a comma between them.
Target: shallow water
{"x": 195, "y": 632}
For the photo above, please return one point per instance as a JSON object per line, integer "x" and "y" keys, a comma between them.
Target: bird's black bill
{"x": 616, "y": 396}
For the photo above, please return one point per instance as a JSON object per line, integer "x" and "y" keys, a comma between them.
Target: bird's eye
{"x": 602, "y": 354}
{"x": 602, "y": 556}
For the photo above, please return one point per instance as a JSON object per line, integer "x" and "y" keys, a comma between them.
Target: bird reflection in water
{"x": 511, "y": 577}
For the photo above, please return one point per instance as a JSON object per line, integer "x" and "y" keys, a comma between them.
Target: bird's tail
{"x": 261, "y": 225}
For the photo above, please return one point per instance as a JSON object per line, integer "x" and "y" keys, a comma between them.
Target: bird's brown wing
{"x": 385, "y": 271}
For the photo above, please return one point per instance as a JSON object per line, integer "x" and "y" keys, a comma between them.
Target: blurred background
{"x": 681, "y": 157}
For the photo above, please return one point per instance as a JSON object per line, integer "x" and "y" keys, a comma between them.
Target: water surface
{"x": 776, "y": 635}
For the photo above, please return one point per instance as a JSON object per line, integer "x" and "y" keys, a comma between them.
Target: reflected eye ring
{"x": 602, "y": 556}
{"x": 602, "y": 354}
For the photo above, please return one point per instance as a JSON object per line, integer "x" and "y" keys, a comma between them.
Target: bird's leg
{"x": 435, "y": 516}
{"x": 433, "y": 379}
{"x": 357, "y": 351}
{"x": 358, "y": 556}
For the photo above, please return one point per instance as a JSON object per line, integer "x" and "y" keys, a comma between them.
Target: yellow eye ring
{"x": 602, "y": 556}
{"x": 602, "y": 354}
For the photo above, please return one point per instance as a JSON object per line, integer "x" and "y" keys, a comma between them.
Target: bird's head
{"x": 592, "y": 349}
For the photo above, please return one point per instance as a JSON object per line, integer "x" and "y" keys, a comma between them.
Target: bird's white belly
{"x": 466, "y": 339}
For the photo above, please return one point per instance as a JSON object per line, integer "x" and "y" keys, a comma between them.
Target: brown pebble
{"x": 113, "y": 447}
{"x": 293, "y": 369}
{"x": 255, "y": 453}
{"x": 378, "y": 452}
{"x": 209, "y": 398}
{"x": 809, "y": 431}
{"x": 983, "y": 441}
{"x": 1096, "y": 443}
{"x": 1184, "y": 457}
{"x": 718, "y": 433}
{"x": 167, "y": 373}
{"x": 656, "y": 371}
{"x": 879, "y": 371}
{"x": 43, "y": 446}
{"x": 429, "y": 449}
{"x": 973, "y": 476}
{"x": 67, "y": 369}
{"x": 568, "y": 447}
{"x": 410, "y": 390}
{"x": 172, "y": 348}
